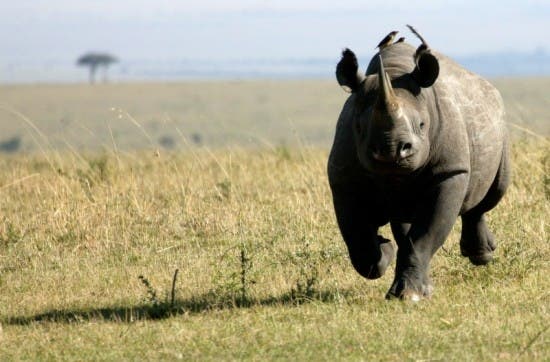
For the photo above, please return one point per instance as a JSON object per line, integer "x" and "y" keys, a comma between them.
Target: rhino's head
{"x": 391, "y": 117}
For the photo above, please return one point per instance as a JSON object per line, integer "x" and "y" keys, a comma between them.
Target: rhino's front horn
{"x": 386, "y": 96}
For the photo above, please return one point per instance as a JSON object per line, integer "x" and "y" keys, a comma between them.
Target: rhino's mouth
{"x": 376, "y": 156}
{"x": 401, "y": 166}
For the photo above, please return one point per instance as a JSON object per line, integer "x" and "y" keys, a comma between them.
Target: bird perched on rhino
{"x": 387, "y": 40}
{"x": 400, "y": 40}
{"x": 422, "y": 48}
{"x": 422, "y": 61}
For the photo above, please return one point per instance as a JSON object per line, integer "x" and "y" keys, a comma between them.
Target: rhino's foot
{"x": 480, "y": 259}
{"x": 374, "y": 269}
{"x": 477, "y": 242}
{"x": 409, "y": 289}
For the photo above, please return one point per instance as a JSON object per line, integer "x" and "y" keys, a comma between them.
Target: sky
{"x": 215, "y": 29}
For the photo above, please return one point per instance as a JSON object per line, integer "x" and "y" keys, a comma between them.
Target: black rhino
{"x": 419, "y": 142}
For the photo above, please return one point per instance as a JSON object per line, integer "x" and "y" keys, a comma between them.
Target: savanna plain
{"x": 194, "y": 221}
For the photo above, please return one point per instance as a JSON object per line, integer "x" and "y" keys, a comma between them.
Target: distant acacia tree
{"x": 94, "y": 61}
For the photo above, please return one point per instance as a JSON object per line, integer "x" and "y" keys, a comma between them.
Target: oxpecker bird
{"x": 422, "y": 48}
{"x": 387, "y": 40}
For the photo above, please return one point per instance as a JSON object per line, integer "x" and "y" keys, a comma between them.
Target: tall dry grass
{"x": 252, "y": 234}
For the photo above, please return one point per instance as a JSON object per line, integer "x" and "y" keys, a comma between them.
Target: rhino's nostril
{"x": 405, "y": 150}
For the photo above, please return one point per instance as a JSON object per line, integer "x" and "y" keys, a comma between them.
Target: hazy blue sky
{"x": 216, "y": 29}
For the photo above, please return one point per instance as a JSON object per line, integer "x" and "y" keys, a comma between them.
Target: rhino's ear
{"x": 427, "y": 68}
{"x": 347, "y": 72}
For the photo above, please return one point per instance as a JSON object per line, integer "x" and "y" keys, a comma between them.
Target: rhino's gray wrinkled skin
{"x": 417, "y": 148}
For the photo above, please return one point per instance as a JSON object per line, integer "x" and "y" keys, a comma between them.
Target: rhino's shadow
{"x": 152, "y": 311}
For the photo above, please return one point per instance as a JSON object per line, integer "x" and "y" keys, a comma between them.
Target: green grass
{"x": 262, "y": 269}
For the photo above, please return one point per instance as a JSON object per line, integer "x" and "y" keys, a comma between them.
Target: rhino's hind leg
{"x": 476, "y": 241}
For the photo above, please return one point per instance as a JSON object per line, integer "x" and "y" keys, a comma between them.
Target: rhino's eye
{"x": 422, "y": 124}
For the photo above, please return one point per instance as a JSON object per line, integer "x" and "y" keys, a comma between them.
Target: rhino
{"x": 419, "y": 142}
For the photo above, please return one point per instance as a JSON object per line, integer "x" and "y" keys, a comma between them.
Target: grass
{"x": 221, "y": 113}
{"x": 216, "y": 114}
{"x": 90, "y": 242}
{"x": 75, "y": 239}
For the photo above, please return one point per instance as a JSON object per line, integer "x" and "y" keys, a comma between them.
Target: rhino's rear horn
{"x": 347, "y": 71}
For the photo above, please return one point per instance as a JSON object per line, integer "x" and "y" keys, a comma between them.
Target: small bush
{"x": 11, "y": 145}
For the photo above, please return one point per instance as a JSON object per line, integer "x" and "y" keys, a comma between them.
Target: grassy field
{"x": 130, "y": 116}
{"x": 90, "y": 238}
{"x": 252, "y": 114}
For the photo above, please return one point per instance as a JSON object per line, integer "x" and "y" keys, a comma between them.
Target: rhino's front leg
{"x": 370, "y": 253}
{"x": 418, "y": 242}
